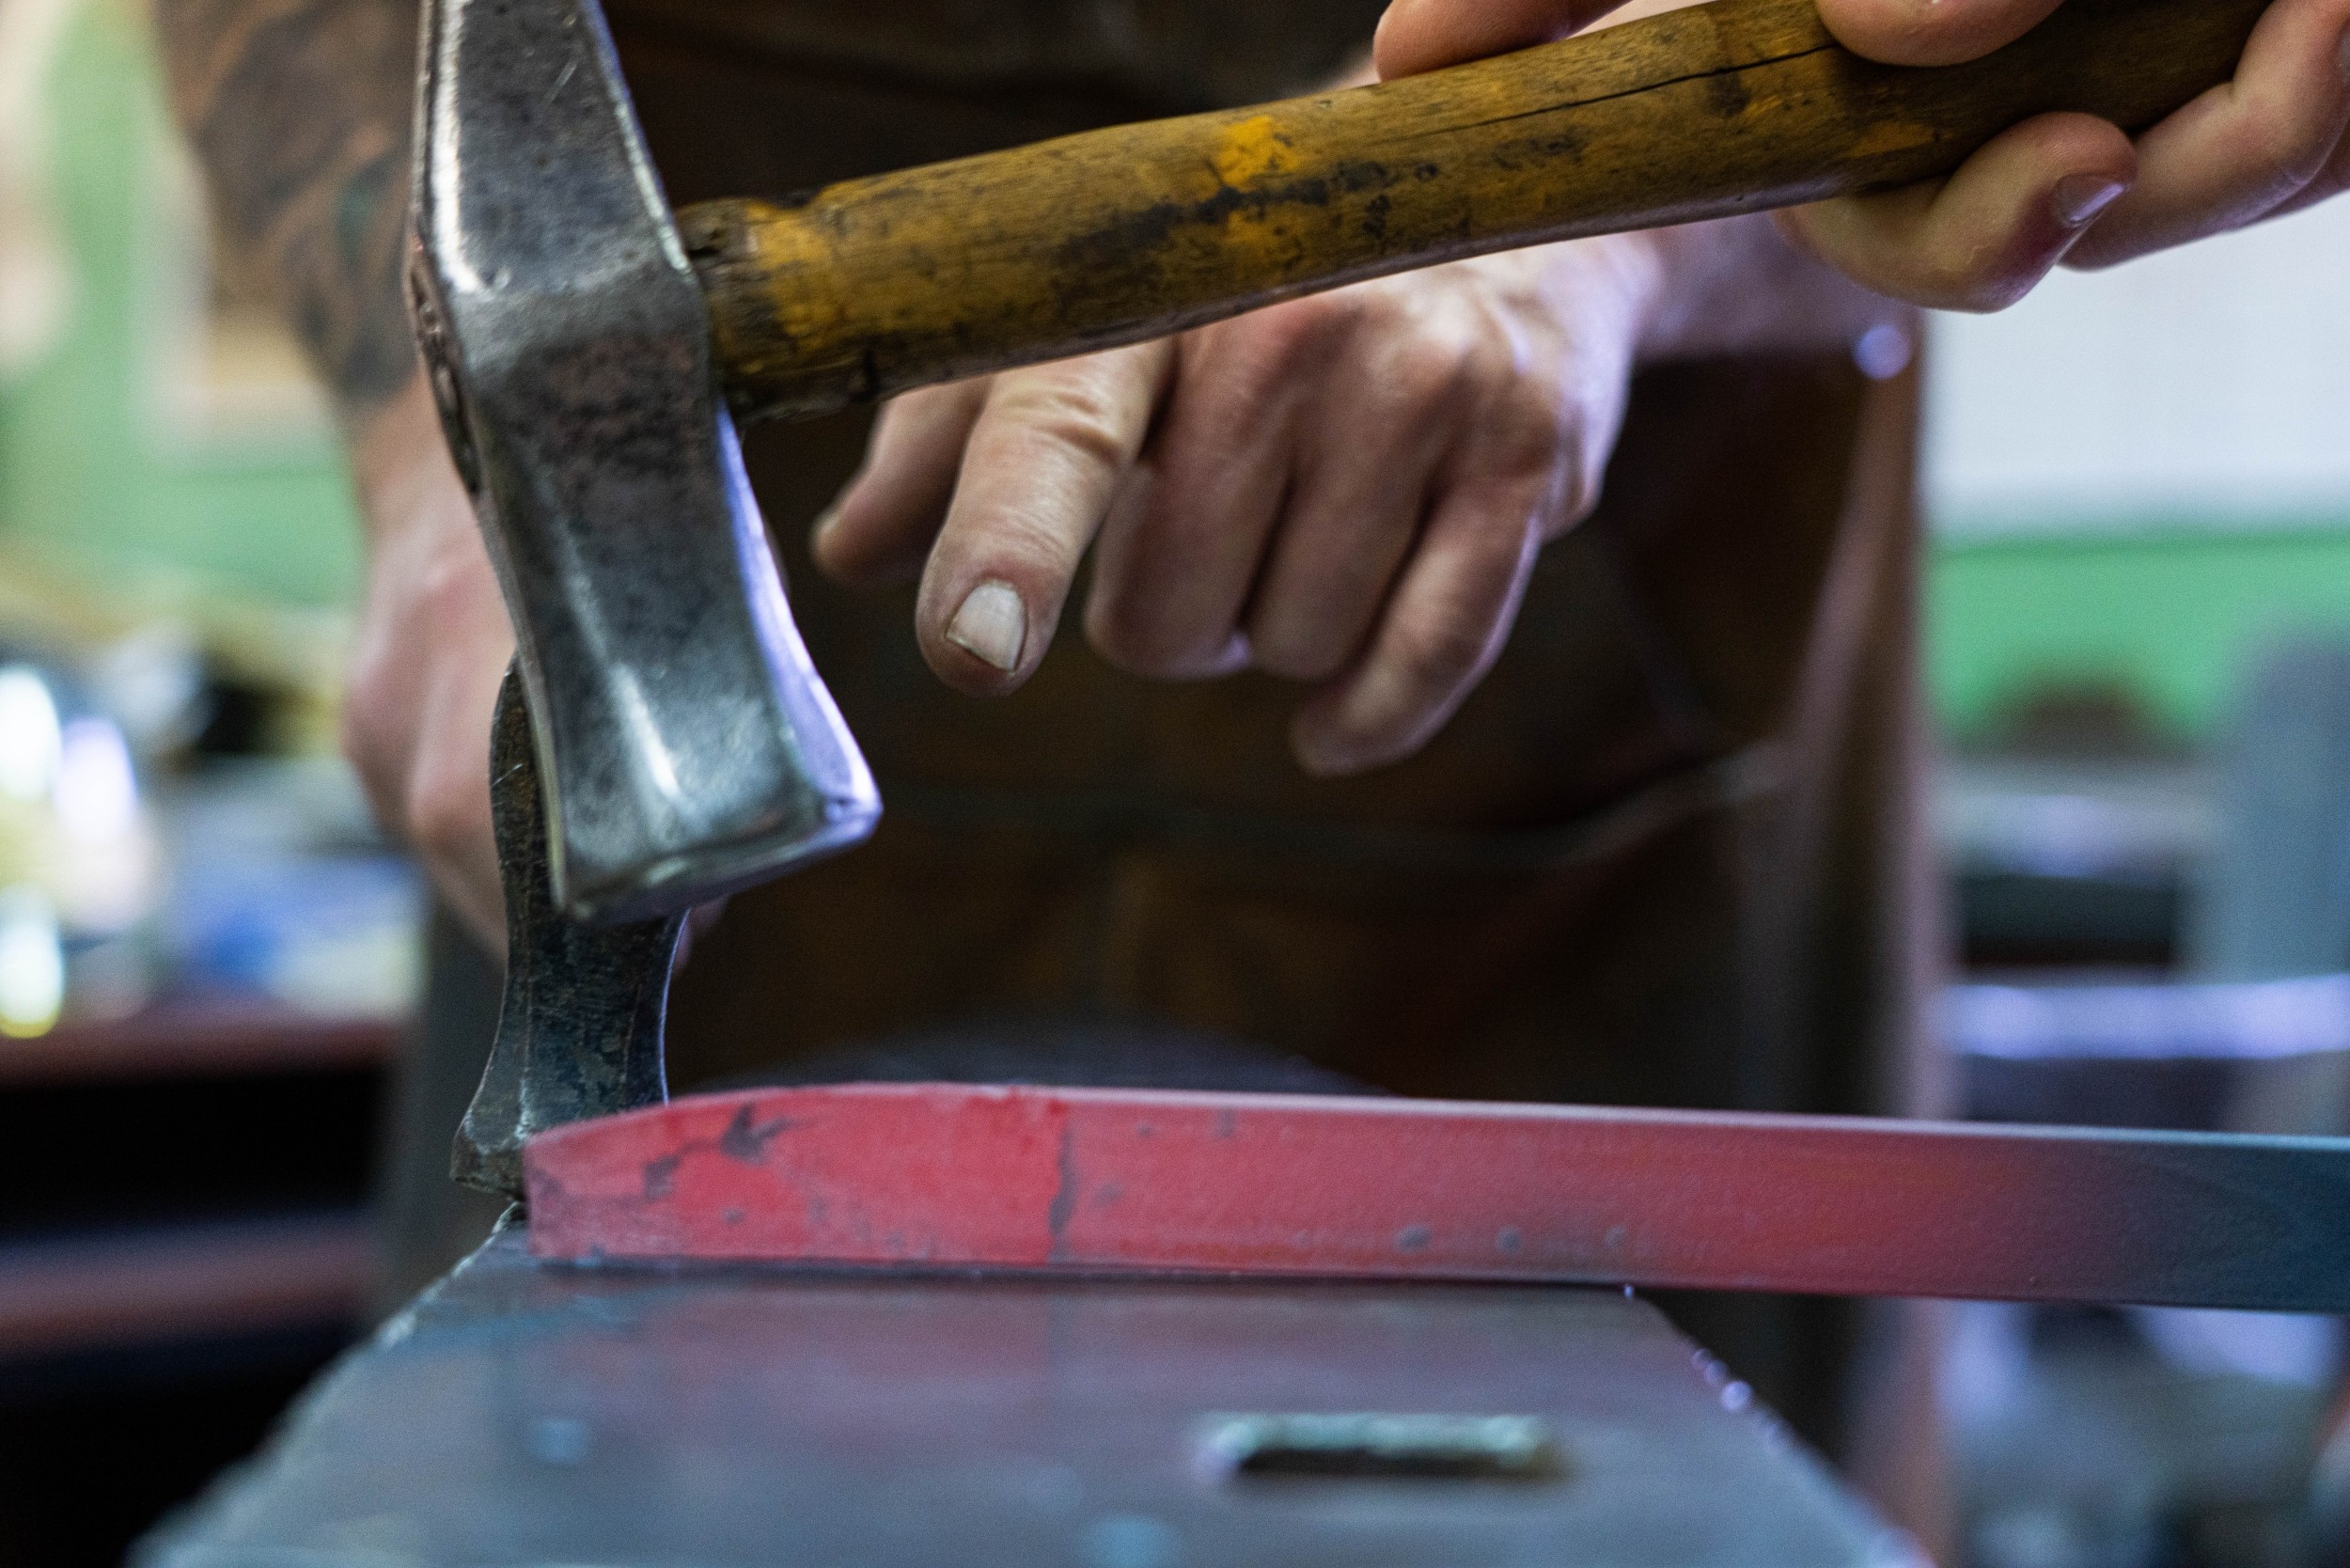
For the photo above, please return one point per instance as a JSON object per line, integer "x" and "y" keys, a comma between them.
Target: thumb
{"x": 1981, "y": 239}
{"x": 1931, "y": 32}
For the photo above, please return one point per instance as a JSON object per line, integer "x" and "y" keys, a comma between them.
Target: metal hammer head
{"x": 686, "y": 746}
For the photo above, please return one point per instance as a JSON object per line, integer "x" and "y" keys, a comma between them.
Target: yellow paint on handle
{"x": 1252, "y": 150}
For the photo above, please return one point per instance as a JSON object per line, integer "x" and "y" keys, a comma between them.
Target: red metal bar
{"x": 1035, "y": 1179}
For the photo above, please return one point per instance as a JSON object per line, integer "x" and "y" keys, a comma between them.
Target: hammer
{"x": 665, "y": 739}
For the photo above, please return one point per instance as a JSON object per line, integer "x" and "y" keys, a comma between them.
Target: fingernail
{"x": 991, "y": 625}
{"x": 2079, "y": 198}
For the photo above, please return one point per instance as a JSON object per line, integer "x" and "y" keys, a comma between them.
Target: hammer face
{"x": 686, "y": 744}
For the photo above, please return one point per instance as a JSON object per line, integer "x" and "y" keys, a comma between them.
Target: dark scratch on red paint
{"x": 745, "y": 1141}
{"x": 660, "y": 1174}
{"x": 1065, "y": 1195}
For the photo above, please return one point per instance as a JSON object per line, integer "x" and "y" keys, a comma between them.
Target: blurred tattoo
{"x": 299, "y": 112}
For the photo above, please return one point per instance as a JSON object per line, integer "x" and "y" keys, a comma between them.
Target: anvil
{"x": 523, "y": 1414}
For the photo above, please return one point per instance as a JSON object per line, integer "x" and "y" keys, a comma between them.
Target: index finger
{"x": 1044, "y": 460}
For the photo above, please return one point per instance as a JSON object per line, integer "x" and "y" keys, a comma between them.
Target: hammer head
{"x": 686, "y": 745}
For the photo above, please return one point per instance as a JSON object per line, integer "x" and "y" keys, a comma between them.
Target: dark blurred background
{"x": 2139, "y": 600}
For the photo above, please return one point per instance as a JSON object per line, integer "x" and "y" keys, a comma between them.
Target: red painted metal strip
{"x": 963, "y": 1177}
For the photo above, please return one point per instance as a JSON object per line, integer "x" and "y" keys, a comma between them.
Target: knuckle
{"x": 1437, "y": 651}
{"x": 2286, "y": 143}
{"x": 1528, "y": 430}
{"x": 1339, "y": 311}
{"x": 1116, "y": 631}
{"x": 1075, "y": 413}
{"x": 1291, "y": 652}
{"x": 366, "y": 745}
{"x": 1127, "y": 641}
{"x": 1981, "y": 272}
{"x": 445, "y": 812}
{"x": 371, "y": 727}
{"x": 1891, "y": 244}
{"x": 1288, "y": 337}
{"x": 1534, "y": 445}
{"x": 1429, "y": 372}
{"x": 1442, "y": 646}
{"x": 364, "y": 700}
{"x": 1021, "y": 542}
{"x": 1981, "y": 284}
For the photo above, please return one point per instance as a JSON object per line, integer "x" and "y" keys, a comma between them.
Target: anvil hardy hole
{"x": 1378, "y": 1447}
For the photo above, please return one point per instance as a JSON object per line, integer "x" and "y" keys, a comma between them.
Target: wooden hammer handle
{"x": 870, "y": 287}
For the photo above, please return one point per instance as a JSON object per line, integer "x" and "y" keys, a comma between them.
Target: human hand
{"x": 433, "y": 645}
{"x": 1346, "y": 491}
{"x": 2059, "y": 187}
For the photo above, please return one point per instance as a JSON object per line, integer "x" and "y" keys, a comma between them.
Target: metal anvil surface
{"x": 528, "y": 1413}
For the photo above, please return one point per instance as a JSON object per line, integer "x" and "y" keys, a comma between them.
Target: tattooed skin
{"x": 299, "y": 111}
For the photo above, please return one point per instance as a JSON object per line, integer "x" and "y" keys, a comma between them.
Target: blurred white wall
{"x": 2205, "y": 388}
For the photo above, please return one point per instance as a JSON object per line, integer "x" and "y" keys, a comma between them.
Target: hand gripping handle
{"x": 873, "y": 286}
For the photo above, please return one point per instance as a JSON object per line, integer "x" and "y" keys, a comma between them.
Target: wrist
{"x": 1736, "y": 286}
{"x": 1698, "y": 269}
{"x": 1613, "y": 287}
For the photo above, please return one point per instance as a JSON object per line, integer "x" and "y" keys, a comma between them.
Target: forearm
{"x": 299, "y": 113}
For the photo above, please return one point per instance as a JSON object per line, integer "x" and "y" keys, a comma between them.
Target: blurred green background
{"x": 99, "y": 471}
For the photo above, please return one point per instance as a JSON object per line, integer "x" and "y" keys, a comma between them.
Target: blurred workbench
{"x": 184, "y": 1239}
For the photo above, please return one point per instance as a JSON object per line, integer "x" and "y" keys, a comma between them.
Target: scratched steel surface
{"x": 530, "y": 1413}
